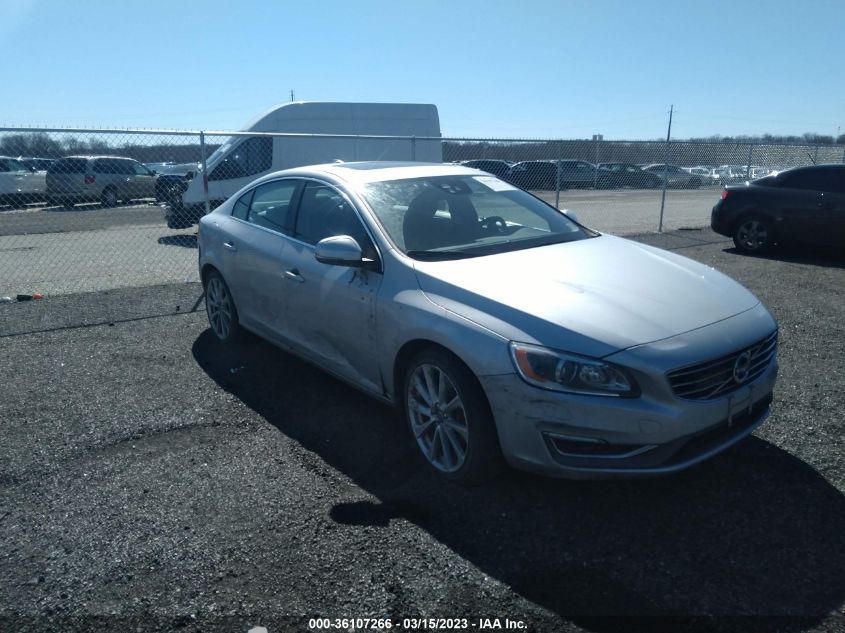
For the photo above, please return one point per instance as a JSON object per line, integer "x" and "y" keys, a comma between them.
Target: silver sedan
{"x": 505, "y": 331}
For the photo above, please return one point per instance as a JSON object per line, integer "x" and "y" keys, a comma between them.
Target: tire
{"x": 109, "y": 197}
{"x": 754, "y": 234}
{"x": 221, "y": 310}
{"x": 457, "y": 439}
{"x": 177, "y": 223}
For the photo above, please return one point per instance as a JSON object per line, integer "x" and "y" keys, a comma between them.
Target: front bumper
{"x": 577, "y": 436}
{"x": 586, "y": 437}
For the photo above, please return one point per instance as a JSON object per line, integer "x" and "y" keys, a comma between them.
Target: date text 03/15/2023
{"x": 415, "y": 624}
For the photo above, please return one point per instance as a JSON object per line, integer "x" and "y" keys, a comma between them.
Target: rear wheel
{"x": 222, "y": 314}
{"x": 753, "y": 234}
{"x": 109, "y": 197}
{"x": 449, "y": 418}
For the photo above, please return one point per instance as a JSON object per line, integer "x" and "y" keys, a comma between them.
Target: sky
{"x": 494, "y": 68}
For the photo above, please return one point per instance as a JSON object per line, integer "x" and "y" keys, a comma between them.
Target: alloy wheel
{"x": 438, "y": 418}
{"x": 752, "y": 235}
{"x": 218, "y": 303}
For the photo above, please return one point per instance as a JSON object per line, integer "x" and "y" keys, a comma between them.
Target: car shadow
{"x": 754, "y": 532}
{"x": 185, "y": 241}
{"x": 827, "y": 256}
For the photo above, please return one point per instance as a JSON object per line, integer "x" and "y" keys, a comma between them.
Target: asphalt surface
{"x": 150, "y": 480}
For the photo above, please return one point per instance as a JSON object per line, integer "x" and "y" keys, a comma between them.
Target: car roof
{"x": 89, "y": 156}
{"x": 376, "y": 171}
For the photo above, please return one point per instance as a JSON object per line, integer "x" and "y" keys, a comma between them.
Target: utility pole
{"x": 665, "y": 170}
{"x": 291, "y": 94}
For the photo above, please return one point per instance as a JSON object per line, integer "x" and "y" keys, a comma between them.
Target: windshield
{"x": 448, "y": 217}
{"x": 216, "y": 154}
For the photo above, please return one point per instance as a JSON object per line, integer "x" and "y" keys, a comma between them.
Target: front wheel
{"x": 449, "y": 418}
{"x": 222, "y": 314}
{"x": 753, "y": 235}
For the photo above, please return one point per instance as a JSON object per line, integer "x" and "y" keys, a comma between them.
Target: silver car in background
{"x": 503, "y": 330}
{"x": 104, "y": 179}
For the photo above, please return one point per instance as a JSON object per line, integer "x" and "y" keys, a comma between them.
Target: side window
{"x": 836, "y": 180}
{"x": 139, "y": 169}
{"x": 324, "y": 212}
{"x": 102, "y": 166}
{"x": 271, "y": 203}
{"x": 250, "y": 157}
{"x": 805, "y": 179}
{"x": 121, "y": 167}
{"x": 241, "y": 207}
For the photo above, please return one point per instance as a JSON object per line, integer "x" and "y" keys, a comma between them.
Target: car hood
{"x": 594, "y": 296}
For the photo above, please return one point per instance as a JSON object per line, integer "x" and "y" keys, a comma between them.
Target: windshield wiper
{"x": 432, "y": 256}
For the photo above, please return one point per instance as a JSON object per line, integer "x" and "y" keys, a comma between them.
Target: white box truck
{"x": 242, "y": 159}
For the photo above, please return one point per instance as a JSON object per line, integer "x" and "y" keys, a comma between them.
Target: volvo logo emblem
{"x": 742, "y": 367}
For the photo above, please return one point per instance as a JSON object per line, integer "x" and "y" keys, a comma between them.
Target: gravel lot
{"x": 153, "y": 481}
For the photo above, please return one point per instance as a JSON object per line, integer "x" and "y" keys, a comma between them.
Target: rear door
{"x": 812, "y": 206}
{"x": 256, "y": 254}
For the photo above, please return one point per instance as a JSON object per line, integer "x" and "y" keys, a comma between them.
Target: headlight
{"x": 558, "y": 371}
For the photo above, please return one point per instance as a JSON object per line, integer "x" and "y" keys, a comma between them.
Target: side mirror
{"x": 570, "y": 214}
{"x": 339, "y": 250}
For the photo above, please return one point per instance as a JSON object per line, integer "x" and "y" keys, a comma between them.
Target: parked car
{"x": 629, "y": 175}
{"x": 502, "y": 329}
{"x": 708, "y": 175}
{"x": 19, "y": 184}
{"x": 36, "y": 164}
{"x": 732, "y": 174}
{"x": 760, "y": 172}
{"x": 108, "y": 179}
{"x": 674, "y": 176}
{"x": 499, "y": 168}
{"x": 172, "y": 182}
{"x": 159, "y": 168}
{"x": 543, "y": 175}
{"x": 805, "y": 204}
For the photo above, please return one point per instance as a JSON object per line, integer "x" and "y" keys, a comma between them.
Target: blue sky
{"x": 494, "y": 68}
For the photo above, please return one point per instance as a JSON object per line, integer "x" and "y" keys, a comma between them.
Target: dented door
{"x": 331, "y": 314}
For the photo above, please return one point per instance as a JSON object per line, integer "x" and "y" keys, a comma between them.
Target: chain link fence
{"x": 85, "y": 210}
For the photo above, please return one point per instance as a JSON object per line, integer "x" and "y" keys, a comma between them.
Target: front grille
{"x": 715, "y": 378}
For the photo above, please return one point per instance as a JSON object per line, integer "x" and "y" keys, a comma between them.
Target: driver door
{"x": 331, "y": 310}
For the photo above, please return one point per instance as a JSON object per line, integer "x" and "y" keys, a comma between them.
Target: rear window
{"x": 69, "y": 166}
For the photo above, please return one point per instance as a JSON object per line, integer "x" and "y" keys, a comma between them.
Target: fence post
{"x": 597, "y": 138}
{"x": 413, "y": 148}
{"x": 666, "y": 170}
{"x": 204, "y": 174}
{"x": 557, "y": 175}
{"x": 748, "y": 165}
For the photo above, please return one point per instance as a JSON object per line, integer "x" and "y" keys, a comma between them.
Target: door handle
{"x": 294, "y": 275}
{"x": 230, "y": 246}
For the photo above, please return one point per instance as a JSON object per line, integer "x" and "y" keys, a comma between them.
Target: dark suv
{"x": 499, "y": 168}
{"x": 107, "y": 179}
{"x": 805, "y": 204}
